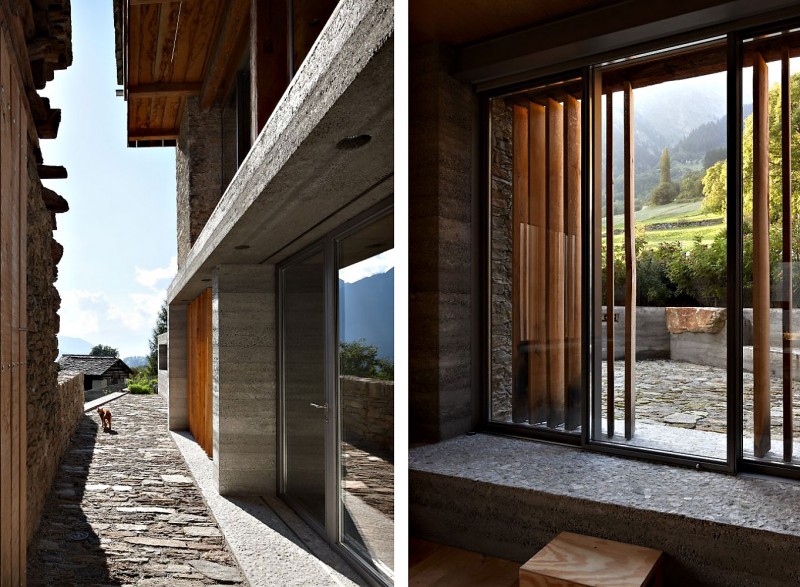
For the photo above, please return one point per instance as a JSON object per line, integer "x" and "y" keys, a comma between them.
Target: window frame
{"x": 735, "y": 461}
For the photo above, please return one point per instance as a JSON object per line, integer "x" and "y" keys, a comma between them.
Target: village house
{"x": 527, "y": 122}
{"x": 281, "y": 115}
{"x": 37, "y": 415}
{"x": 98, "y": 372}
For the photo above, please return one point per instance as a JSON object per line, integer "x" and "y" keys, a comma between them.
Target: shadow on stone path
{"x": 124, "y": 510}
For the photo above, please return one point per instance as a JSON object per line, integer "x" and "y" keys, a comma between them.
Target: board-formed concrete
{"x": 245, "y": 379}
{"x": 177, "y": 325}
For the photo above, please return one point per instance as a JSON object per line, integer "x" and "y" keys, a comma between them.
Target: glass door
{"x": 305, "y": 407}
{"x": 366, "y": 392}
{"x": 337, "y": 390}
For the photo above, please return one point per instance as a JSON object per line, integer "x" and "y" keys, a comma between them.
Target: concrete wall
{"x": 245, "y": 379}
{"x": 652, "y": 336}
{"x": 163, "y": 374}
{"x": 368, "y": 412}
{"x": 176, "y": 400}
{"x": 198, "y": 172}
{"x": 441, "y": 303}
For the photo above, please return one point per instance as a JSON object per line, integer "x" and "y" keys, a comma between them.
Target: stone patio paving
{"x": 124, "y": 510}
{"x": 680, "y": 395}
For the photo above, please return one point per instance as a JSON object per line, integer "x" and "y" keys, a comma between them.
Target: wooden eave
{"x": 173, "y": 50}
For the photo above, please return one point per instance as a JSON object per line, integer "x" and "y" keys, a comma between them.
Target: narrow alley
{"x": 124, "y": 509}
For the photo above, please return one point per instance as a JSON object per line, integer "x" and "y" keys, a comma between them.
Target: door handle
{"x": 321, "y": 407}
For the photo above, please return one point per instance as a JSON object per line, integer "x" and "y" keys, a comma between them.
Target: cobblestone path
{"x": 124, "y": 510}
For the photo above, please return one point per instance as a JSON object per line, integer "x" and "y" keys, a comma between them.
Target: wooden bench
{"x": 574, "y": 559}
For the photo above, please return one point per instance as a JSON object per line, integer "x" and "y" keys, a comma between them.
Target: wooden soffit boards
{"x": 169, "y": 47}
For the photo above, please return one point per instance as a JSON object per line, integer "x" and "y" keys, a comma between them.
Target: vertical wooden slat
{"x": 537, "y": 212}
{"x": 555, "y": 263}
{"x": 761, "y": 372}
{"x": 596, "y": 121}
{"x": 519, "y": 400}
{"x": 609, "y": 263}
{"x": 23, "y": 344}
{"x": 786, "y": 181}
{"x": 17, "y": 435}
{"x": 572, "y": 187}
{"x": 6, "y": 480}
{"x": 630, "y": 268}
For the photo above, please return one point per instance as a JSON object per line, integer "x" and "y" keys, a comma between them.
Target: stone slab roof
{"x": 90, "y": 364}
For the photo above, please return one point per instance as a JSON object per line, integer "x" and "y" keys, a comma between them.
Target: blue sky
{"x": 119, "y": 234}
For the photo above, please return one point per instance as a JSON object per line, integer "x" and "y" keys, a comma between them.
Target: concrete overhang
{"x": 295, "y": 185}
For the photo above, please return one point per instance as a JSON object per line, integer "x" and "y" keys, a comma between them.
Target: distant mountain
{"x": 68, "y": 345}
{"x": 367, "y": 311}
{"x": 137, "y": 361}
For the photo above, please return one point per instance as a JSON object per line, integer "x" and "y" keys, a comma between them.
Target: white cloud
{"x": 138, "y": 312}
{"x": 81, "y": 312}
{"x": 374, "y": 265}
{"x": 151, "y": 277}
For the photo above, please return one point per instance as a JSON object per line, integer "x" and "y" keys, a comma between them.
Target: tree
{"x": 691, "y": 187}
{"x": 666, "y": 191}
{"x": 101, "y": 350}
{"x": 715, "y": 188}
{"x": 359, "y": 359}
{"x": 666, "y": 175}
{"x": 775, "y": 158}
{"x": 160, "y": 328}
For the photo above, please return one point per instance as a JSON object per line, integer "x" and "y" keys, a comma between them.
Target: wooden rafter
{"x": 231, "y": 39}
{"x": 160, "y": 90}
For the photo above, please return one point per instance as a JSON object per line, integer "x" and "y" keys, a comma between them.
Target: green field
{"x": 676, "y": 213}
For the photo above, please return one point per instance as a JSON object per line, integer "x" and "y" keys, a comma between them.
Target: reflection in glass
{"x": 304, "y": 384}
{"x": 366, "y": 388}
{"x": 536, "y": 305}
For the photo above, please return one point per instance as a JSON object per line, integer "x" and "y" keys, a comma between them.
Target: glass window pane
{"x": 366, "y": 392}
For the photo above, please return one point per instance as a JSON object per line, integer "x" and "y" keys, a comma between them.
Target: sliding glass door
{"x": 337, "y": 389}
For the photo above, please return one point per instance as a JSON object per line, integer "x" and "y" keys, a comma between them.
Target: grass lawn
{"x": 677, "y": 212}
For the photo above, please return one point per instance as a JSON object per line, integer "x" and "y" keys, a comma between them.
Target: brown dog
{"x": 105, "y": 418}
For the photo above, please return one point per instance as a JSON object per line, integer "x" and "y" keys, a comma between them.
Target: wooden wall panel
{"x": 13, "y": 319}
{"x": 199, "y": 372}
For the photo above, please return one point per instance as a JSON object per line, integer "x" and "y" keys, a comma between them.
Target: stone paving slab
{"x": 96, "y": 403}
{"x": 120, "y": 511}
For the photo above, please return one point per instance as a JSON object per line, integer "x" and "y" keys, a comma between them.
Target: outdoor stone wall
{"x": 501, "y": 259}
{"x": 198, "y": 172}
{"x": 368, "y": 408}
{"x": 52, "y": 410}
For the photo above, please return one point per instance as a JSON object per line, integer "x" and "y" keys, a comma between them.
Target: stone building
{"x": 37, "y": 415}
{"x": 281, "y": 115}
{"x": 98, "y": 372}
{"x": 509, "y": 109}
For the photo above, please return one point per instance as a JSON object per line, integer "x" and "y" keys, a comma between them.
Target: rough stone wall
{"x": 198, "y": 172}
{"x": 52, "y": 410}
{"x": 440, "y": 229}
{"x": 368, "y": 407}
{"x": 501, "y": 259}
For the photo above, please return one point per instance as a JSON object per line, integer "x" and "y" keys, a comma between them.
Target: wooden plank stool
{"x": 573, "y": 559}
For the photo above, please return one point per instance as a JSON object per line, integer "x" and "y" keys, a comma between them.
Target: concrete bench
{"x": 575, "y": 559}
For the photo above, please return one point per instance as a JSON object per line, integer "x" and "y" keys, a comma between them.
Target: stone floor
{"x": 124, "y": 510}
